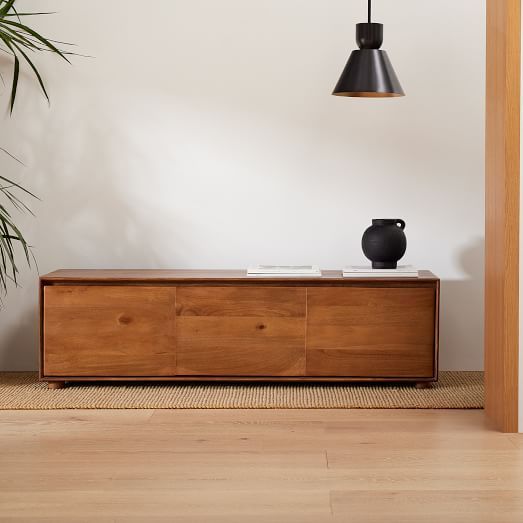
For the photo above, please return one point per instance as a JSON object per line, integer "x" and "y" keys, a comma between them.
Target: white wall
{"x": 202, "y": 134}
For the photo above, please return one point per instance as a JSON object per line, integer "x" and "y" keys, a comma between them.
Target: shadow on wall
{"x": 97, "y": 223}
{"x": 461, "y": 313}
{"x": 20, "y": 342}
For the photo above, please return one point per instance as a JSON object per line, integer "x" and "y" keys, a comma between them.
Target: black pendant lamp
{"x": 369, "y": 73}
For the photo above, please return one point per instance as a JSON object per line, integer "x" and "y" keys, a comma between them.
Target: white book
{"x": 284, "y": 270}
{"x": 368, "y": 268}
{"x": 380, "y": 275}
{"x": 285, "y": 275}
{"x": 362, "y": 271}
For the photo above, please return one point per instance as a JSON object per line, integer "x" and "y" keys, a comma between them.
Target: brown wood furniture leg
{"x": 423, "y": 385}
{"x": 55, "y": 385}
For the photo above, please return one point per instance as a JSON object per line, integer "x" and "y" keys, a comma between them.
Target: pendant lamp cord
{"x": 370, "y": 9}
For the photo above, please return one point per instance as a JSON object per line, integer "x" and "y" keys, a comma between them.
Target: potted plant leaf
{"x": 21, "y": 43}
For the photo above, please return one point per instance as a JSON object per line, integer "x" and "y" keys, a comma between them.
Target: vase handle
{"x": 400, "y": 224}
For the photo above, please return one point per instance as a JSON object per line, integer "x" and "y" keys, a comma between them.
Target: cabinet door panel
{"x": 240, "y": 331}
{"x": 371, "y": 332}
{"x": 95, "y": 330}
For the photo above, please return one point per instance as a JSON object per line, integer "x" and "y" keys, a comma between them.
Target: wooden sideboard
{"x": 178, "y": 325}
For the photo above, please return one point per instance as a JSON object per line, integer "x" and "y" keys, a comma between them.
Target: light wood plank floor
{"x": 253, "y": 466}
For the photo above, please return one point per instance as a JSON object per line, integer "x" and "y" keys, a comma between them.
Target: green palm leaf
{"x": 21, "y": 42}
{"x": 18, "y": 40}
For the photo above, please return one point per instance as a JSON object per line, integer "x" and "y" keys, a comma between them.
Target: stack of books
{"x": 363, "y": 271}
{"x": 296, "y": 271}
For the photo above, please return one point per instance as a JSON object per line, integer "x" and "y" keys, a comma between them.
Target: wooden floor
{"x": 258, "y": 465}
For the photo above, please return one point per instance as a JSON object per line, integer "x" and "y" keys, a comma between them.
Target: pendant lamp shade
{"x": 369, "y": 73}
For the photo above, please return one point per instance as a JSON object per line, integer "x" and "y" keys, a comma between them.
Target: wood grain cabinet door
{"x": 371, "y": 332}
{"x": 104, "y": 330}
{"x": 240, "y": 331}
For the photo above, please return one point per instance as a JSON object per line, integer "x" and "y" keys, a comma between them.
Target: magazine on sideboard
{"x": 284, "y": 270}
{"x": 365, "y": 271}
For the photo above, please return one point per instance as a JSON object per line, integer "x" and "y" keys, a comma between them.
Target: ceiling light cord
{"x": 370, "y": 9}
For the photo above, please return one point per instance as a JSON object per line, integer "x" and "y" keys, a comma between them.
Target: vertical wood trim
{"x": 306, "y": 329}
{"x": 502, "y": 149}
{"x": 41, "y": 328}
{"x": 436, "y": 330}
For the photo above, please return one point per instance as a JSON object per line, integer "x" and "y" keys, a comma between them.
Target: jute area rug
{"x": 455, "y": 390}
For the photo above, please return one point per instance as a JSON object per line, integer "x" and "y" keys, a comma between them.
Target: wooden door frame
{"x": 502, "y": 218}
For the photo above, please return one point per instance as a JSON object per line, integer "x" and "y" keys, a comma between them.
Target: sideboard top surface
{"x": 205, "y": 276}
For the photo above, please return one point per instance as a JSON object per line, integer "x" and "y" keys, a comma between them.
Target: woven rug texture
{"x": 454, "y": 390}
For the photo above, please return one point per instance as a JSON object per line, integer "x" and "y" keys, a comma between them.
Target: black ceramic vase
{"x": 384, "y": 243}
